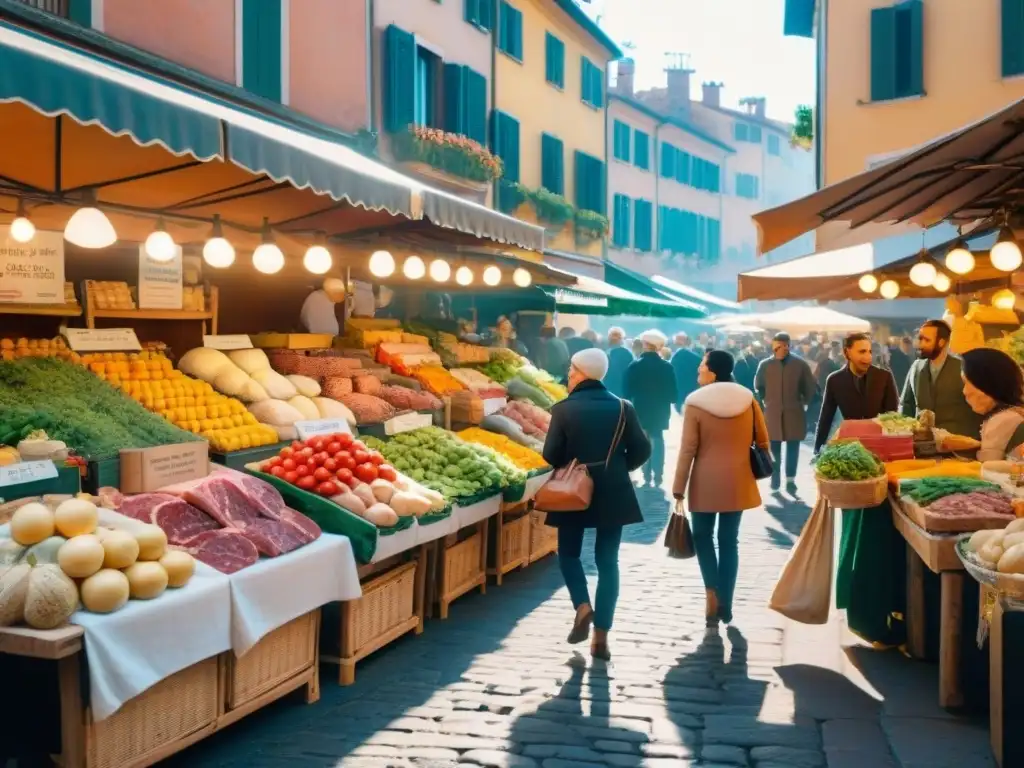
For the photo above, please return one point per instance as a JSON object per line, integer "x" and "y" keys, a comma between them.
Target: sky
{"x": 736, "y": 42}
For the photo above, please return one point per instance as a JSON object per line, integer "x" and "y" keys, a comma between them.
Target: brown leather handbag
{"x": 571, "y": 488}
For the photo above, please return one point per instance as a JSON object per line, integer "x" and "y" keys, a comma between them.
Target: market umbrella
{"x": 740, "y": 329}
{"x": 803, "y": 320}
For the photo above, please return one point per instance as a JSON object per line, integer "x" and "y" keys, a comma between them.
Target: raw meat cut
{"x": 227, "y": 550}
{"x": 140, "y": 505}
{"x": 264, "y": 496}
{"x": 297, "y": 518}
{"x": 178, "y": 519}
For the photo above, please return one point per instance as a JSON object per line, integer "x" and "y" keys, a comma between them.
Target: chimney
{"x": 624, "y": 78}
{"x": 679, "y": 72}
{"x": 756, "y": 106}
{"x": 712, "y": 94}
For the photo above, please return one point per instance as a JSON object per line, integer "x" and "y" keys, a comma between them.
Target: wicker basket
{"x": 543, "y": 537}
{"x": 853, "y": 494}
{"x": 388, "y": 601}
{"x": 515, "y": 542}
{"x": 140, "y": 731}
{"x": 282, "y": 654}
{"x": 462, "y": 566}
{"x": 1009, "y": 584}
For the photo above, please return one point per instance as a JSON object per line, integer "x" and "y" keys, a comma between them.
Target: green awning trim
{"x": 617, "y": 302}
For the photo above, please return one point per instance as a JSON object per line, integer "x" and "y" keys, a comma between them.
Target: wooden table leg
{"x": 499, "y": 560}
{"x": 419, "y": 601}
{"x": 996, "y": 717}
{"x": 951, "y": 618}
{"x": 915, "y": 616}
{"x": 72, "y": 712}
{"x": 484, "y": 525}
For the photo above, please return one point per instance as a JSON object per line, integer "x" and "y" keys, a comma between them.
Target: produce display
{"x": 533, "y": 420}
{"x": 897, "y": 423}
{"x": 927, "y": 490}
{"x": 522, "y": 457}
{"x": 503, "y": 365}
{"x": 437, "y": 380}
{"x": 14, "y": 349}
{"x": 969, "y": 511}
{"x": 477, "y": 382}
{"x": 109, "y": 295}
{"x": 847, "y": 461}
{"x": 1000, "y": 550}
{"x": 919, "y": 468}
{"x": 950, "y": 443}
{"x": 507, "y": 427}
{"x": 404, "y": 398}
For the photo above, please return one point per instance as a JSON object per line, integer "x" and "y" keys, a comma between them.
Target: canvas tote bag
{"x": 804, "y": 590}
{"x": 571, "y": 488}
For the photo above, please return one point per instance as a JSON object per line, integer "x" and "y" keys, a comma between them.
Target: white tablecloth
{"x": 474, "y": 513}
{"x": 395, "y": 543}
{"x": 438, "y": 530}
{"x": 276, "y": 590}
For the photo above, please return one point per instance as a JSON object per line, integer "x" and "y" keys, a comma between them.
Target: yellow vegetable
{"x": 120, "y": 549}
{"x": 520, "y": 455}
{"x": 179, "y": 567}
{"x": 146, "y": 580}
{"x": 31, "y": 524}
{"x": 105, "y": 592}
{"x": 81, "y": 556}
{"x": 75, "y": 517}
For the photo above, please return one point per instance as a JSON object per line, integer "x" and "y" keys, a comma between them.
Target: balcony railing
{"x": 56, "y": 7}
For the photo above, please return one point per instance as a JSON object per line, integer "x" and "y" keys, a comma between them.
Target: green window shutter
{"x": 585, "y": 94}
{"x": 485, "y": 18}
{"x": 685, "y": 167}
{"x": 775, "y": 145}
{"x": 80, "y": 12}
{"x": 739, "y": 132}
{"x": 714, "y": 245}
{"x": 641, "y": 150}
{"x": 698, "y": 174}
{"x": 510, "y": 31}
{"x": 642, "y": 225}
{"x": 910, "y": 60}
{"x": 554, "y": 60}
{"x": 261, "y": 48}
{"x": 627, "y": 221}
{"x": 591, "y": 83}
{"x": 455, "y": 112}
{"x": 668, "y": 161}
{"x": 471, "y": 11}
{"x": 475, "y": 105}
{"x": 581, "y": 178}
{"x": 714, "y": 177}
{"x": 883, "y": 54}
{"x": 399, "y": 103}
{"x": 798, "y": 18}
{"x": 620, "y": 221}
{"x": 552, "y": 169}
{"x": 755, "y": 134}
{"x": 622, "y": 141}
{"x": 597, "y": 87}
{"x": 1013, "y": 37}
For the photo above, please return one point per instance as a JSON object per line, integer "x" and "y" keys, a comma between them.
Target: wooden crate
{"x": 543, "y": 537}
{"x": 173, "y": 714}
{"x": 511, "y": 545}
{"x": 282, "y": 661}
{"x": 463, "y": 567}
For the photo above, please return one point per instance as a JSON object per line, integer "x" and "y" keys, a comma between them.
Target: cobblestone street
{"x": 496, "y": 685}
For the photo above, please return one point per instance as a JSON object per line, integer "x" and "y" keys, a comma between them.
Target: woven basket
{"x": 282, "y": 654}
{"x": 853, "y": 494}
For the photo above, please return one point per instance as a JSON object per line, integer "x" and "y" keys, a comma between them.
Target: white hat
{"x": 654, "y": 338}
{"x": 592, "y": 363}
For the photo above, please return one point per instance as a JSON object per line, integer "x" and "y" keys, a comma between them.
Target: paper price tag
{"x": 27, "y": 472}
{"x": 407, "y": 422}
{"x": 227, "y": 343}
{"x": 494, "y": 404}
{"x": 308, "y": 429}
{"x": 102, "y": 340}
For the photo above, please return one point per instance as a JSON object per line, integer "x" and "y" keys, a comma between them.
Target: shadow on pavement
{"x": 790, "y": 511}
{"x": 656, "y": 505}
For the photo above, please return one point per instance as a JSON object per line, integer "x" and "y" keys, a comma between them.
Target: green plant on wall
{"x": 511, "y": 194}
{"x": 803, "y": 128}
{"x": 448, "y": 152}
{"x": 551, "y": 208}
{"x": 590, "y": 225}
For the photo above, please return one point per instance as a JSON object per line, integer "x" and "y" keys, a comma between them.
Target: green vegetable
{"x": 897, "y": 422}
{"x": 848, "y": 461}
{"x": 927, "y": 490}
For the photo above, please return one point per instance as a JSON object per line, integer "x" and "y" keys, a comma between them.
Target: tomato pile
{"x": 320, "y": 463}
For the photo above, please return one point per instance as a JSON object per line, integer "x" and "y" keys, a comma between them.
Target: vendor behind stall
{"x": 319, "y": 313}
{"x": 994, "y": 388}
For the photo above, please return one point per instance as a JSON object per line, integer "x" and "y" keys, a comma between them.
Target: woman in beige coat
{"x": 720, "y": 422}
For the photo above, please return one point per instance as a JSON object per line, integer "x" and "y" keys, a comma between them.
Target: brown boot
{"x": 710, "y": 608}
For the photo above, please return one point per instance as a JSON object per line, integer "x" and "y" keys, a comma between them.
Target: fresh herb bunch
{"x": 926, "y": 490}
{"x": 848, "y": 461}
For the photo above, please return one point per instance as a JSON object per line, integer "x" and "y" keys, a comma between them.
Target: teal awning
{"x": 590, "y": 296}
{"x": 663, "y": 288}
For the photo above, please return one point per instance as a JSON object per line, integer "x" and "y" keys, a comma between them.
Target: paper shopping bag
{"x": 804, "y": 590}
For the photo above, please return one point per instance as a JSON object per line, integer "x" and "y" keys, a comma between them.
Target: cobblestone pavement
{"x": 495, "y": 685}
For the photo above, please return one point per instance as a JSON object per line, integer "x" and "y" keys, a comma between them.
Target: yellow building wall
{"x": 962, "y": 80}
{"x": 522, "y": 91}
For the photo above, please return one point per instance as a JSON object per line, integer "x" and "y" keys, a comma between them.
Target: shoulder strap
{"x": 620, "y": 428}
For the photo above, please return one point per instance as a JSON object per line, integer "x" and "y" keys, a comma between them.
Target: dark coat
{"x": 651, "y": 387}
{"x": 945, "y": 398}
{"x": 879, "y": 396}
{"x": 578, "y": 344}
{"x": 581, "y": 428}
{"x": 553, "y": 357}
{"x": 899, "y": 364}
{"x": 619, "y": 359}
{"x": 685, "y": 363}
{"x": 745, "y": 370}
{"x": 785, "y": 387}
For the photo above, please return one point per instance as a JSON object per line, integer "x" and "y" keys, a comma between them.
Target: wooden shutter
{"x": 597, "y": 86}
{"x": 739, "y": 132}
{"x": 506, "y": 143}
{"x": 1013, "y": 37}
{"x": 455, "y": 112}
{"x": 471, "y": 11}
{"x": 642, "y": 225}
{"x": 552, "y": 164}
{"x": 474, "y": 109}
{"x": 554, "y": 60}
{"x": 798, "y": 19}
{"x": 399, "y": 103}
{"x": 585, "y": 79}
{"x": 510, "y": 31}
{"x": 668, "y": 161}
{"x": 641, "y": 150}
{"x": 580, "y": 179}
{"x": 714, "y": 177}
{"x": 911, "y": 49}
{"x": 883, "y": 54}
{"x": 261, "y": 48}
{"x": 684, "y": 163}
{"x": 80, "y": 12}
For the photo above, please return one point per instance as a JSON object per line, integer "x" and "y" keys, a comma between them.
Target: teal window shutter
{"x": 590, "y": 183}
{"x": 597, "y": 87}
{"x": 552, "y": 159}
{"x": 668, "y": 160}
{"x": 775, "y": 144}
{"x": 620, "y": 221}
{"x": 554, "y": 60}
{"x": 642, "y": 225}
{"x": 662, "y": 216}
{"x": 641, "y": 150}
{"x": 685, "y": 170}
{"x": 714, "y": 239}
{"x": 475, "y": 105}
{"x": 261, "y": 48}
{"x": 506, "y": 144}
{"x": 798, "y": 19}
{"x": 622, "y": 140}
{"x": 585, "y": 81}
{"x": 714, "y": 177}
{"x": 755, "y": 134}
{"x": 581, "y": 178}
{"x": 80, "y": 12}
{"x": 485, "y": 18}
{"x": 399, "y": 103}
{"x": 740, "y": 132}
{"x": 591, "y": 83}
{"x": 455, "y": 101}
{"x": 883, "y": 54}
{"x": 698, "y": 174}
{"x": 910, "y": 36}
{"x": 510, "y": 31}
{"x": 471, "y": 11}
{"x": 1013, "y": 37}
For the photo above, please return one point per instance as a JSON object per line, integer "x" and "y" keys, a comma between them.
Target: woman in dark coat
{"x": 582, "y": 428}
{"x": 650, "y": 384}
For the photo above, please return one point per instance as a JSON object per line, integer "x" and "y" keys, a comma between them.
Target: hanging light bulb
{"x": 89, "y": 227}
{"x": 889, "y": 289}
{"x": 959, "y": 260}
{"x": 464, "y": 276}
{"x": 492, "y": 276}
{"x": 160, "y": 245}
{"x": 22, "y": 228}
{"x": 942, "y": 282}
{"x": 1005, "y": 254}
{"x": 1004, "y": 299}
{"x": 217, "y": 251}
{"x": 267, "y": 258}
{"x": 414, "y": 268}
{"x": 522, "y": 278}
{"x": 382, "y": 264}
{"x": 868, "y": 283}
{"x": 317, "y": 260}
{"x": 440, "y": 270}
{"x": 923, "y": 273}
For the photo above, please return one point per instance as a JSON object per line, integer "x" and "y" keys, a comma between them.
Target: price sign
{"x": 308, "y": 429}
{"x": 27, "y": 472}
{"x": 227, "y": 343}
{"x": 146, "y": 469}
{"x": 102, "y": 340}
{"x": 407, "y": 422}
{"x": 494, "y": 404}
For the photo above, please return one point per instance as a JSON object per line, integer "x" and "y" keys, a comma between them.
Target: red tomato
{"x": 387, "y": 472}
{"x": 275, "y": 462}
{"x": 289, "y": 464}
{"x": 321, "y": 457}
{"x": 360, "y": 456}
{"x": 322, "y": 475}
{"x": 358, "y": 445}
{"x": 327, "y": 488}
{"x": 366, "y": 472}
{"x": 345, "y": 439}
{"x": 331, "y": 464}
{"x": 297, "y": 446}
{"x": 302, "y": 470}
{"x": 342, "y": 454}
{"x": 333, "y": 447}
{"x": 306, "y": 483}
{"x": 306, "y": 452}
{"x": 345, "y": 476}
{"x": 347, "y": 462}
{"x": 376, "y": 458}
{"x": 277, "y": 471}
{"x": 286, "y": 452}
{"x": 316, "y": 443}
{"x": 291, "y": 477}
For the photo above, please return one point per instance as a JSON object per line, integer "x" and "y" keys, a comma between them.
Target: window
{"x": 590, "y": 183}
{"x": 798, "y": 19}
{"x": 643, "y": 211}
{"x": 622, "y": 143}
{"x": 261, "y": 48}
{"x": 552, "y": 164}
{"x": 746, "y": 132}
{"x": 689, "y": 234}
{"x": 621, "y": 221}
{"x": 683, "y": 173}
{"x": 706, "y": 175}
{"x": 897, "y": 37}
{"x": 505, "y": 144}
{"x": 427, "y": 66}
{"x": 465, "y": 102}
{"x": 668, "y": 161}
{"x": 747, "y": 186}
{"x": 399, "y": 103}
{"x": 1013, "y": 37}
{"x": 510, "y": 31}
{"x": 641, "y": 150}
{"x": 480, "y": 13}
{"x": 591, "y": 83}
{"x": 554, "y": 60}
{"x": 774, "y": 144}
